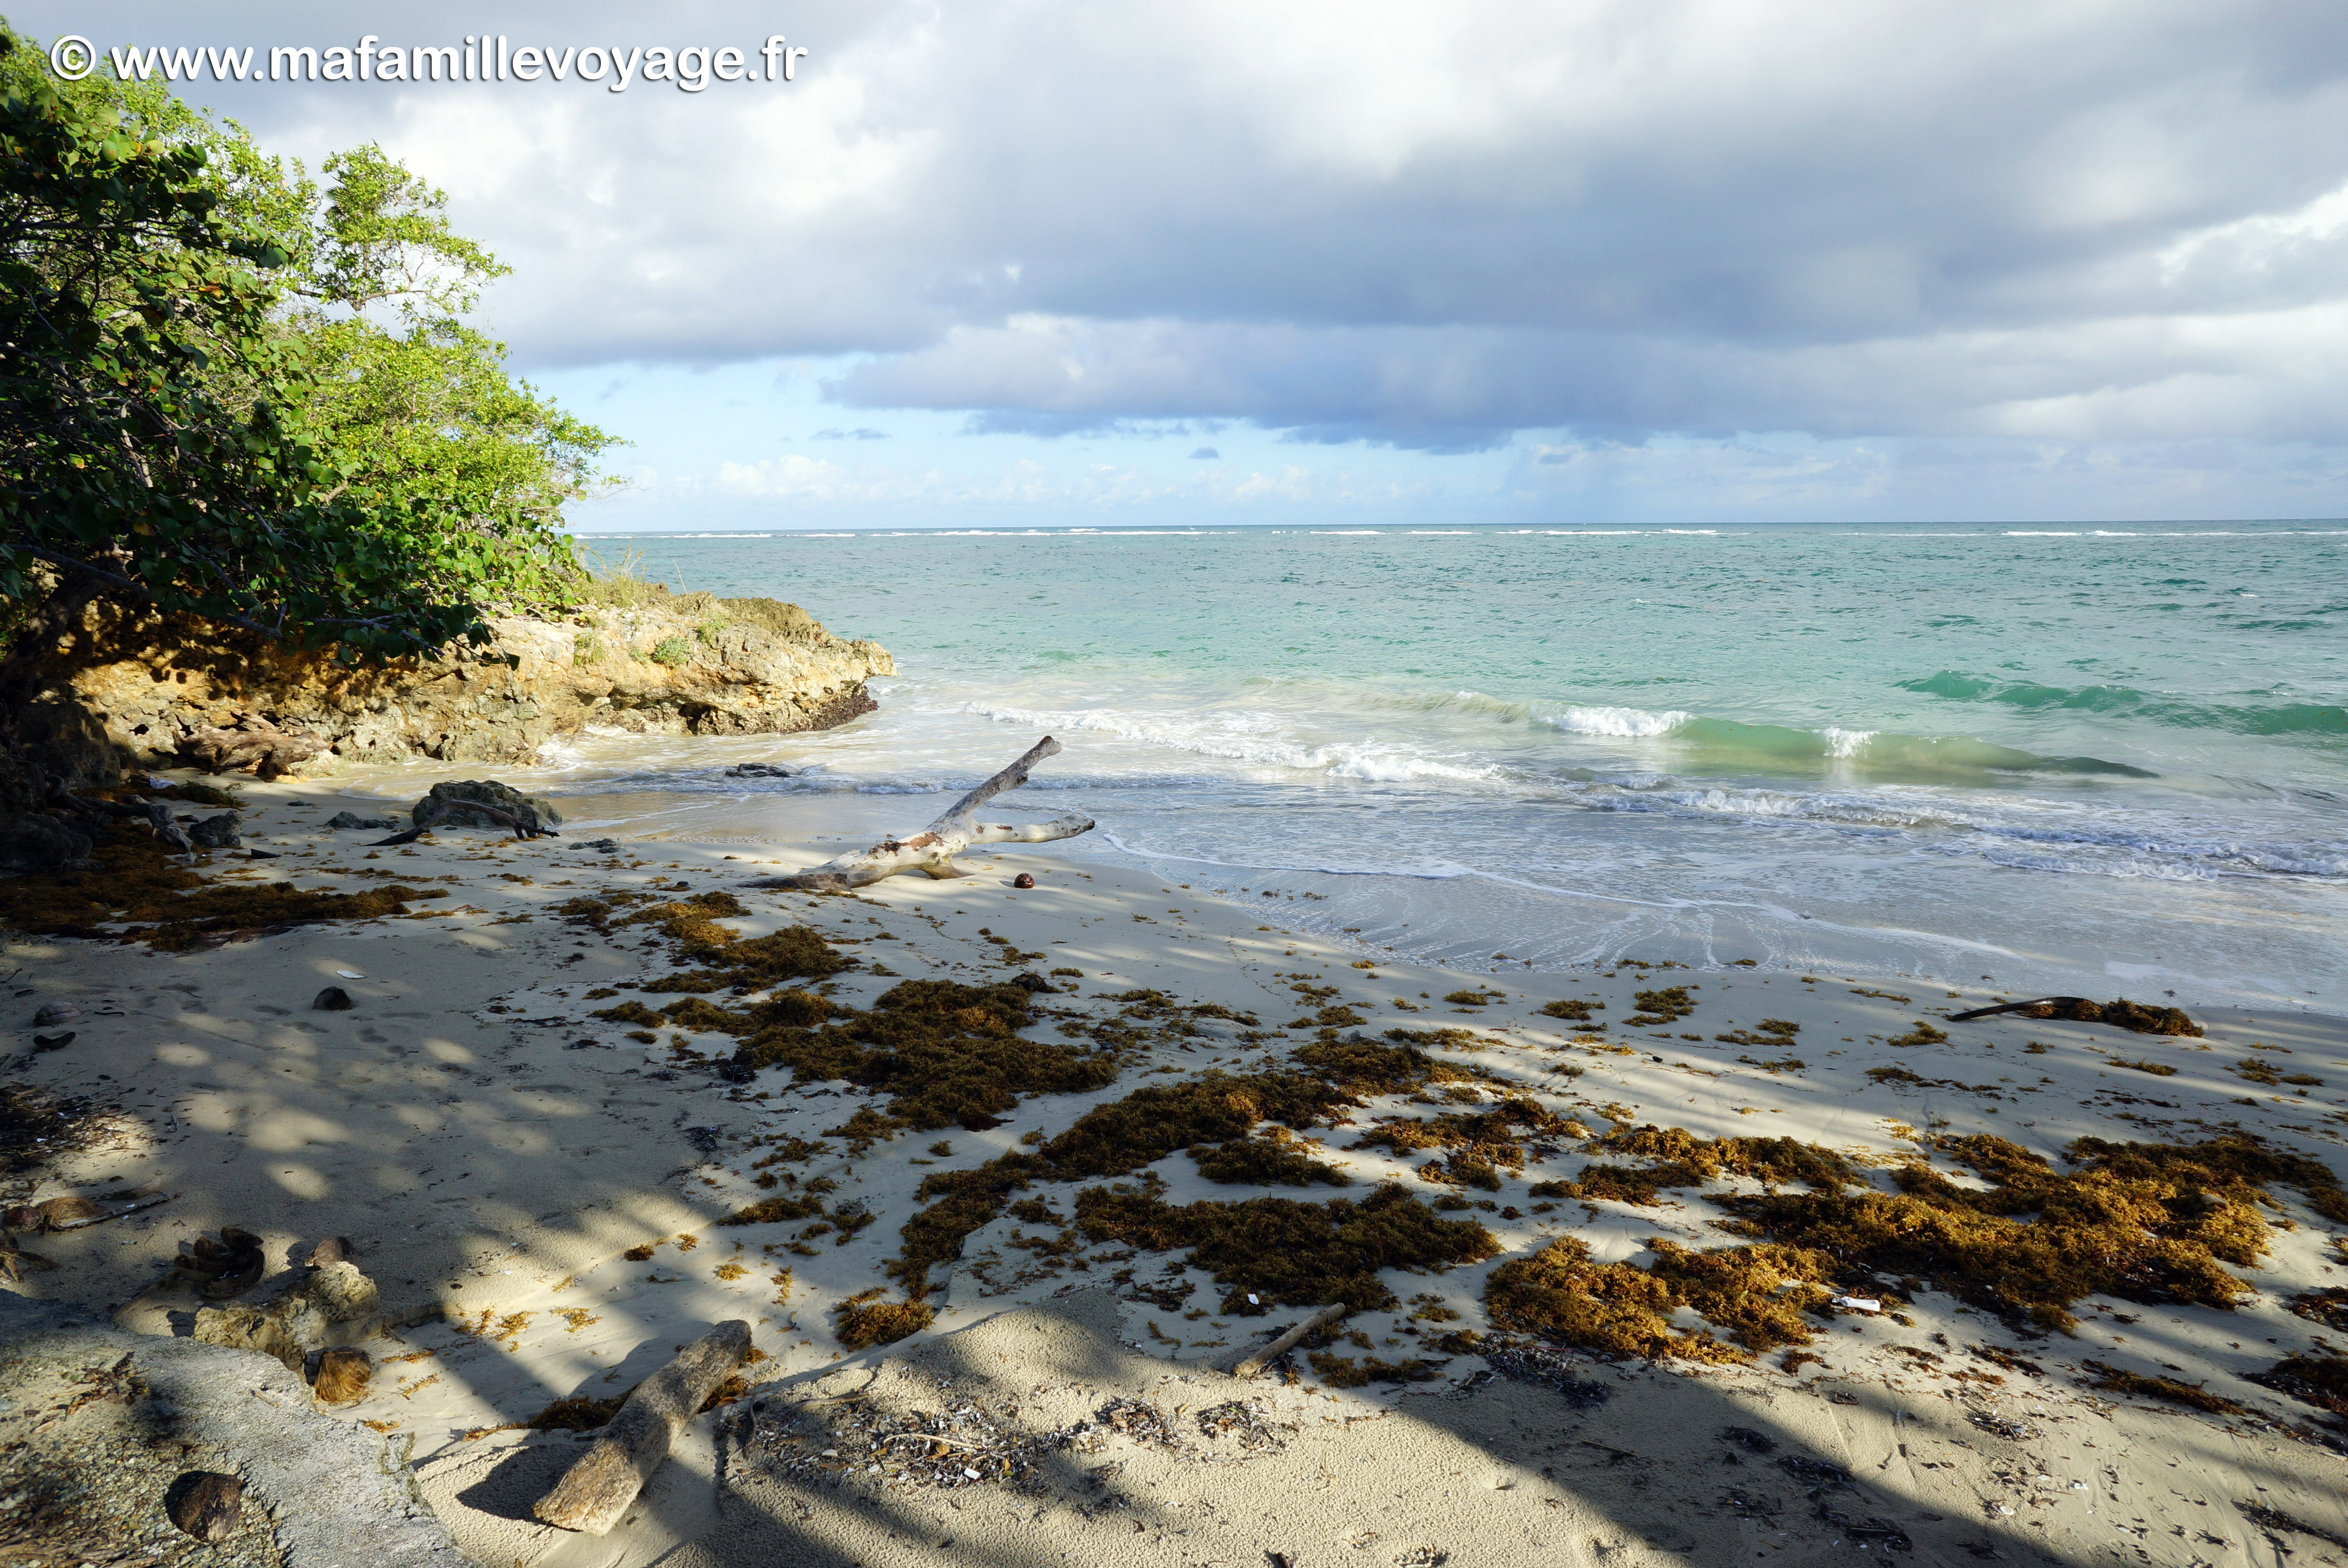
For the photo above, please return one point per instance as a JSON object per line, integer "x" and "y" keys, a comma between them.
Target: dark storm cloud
{"x": 1428, "y": 225}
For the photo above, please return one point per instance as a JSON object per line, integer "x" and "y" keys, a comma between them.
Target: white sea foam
{"x": 1626, "y": 722}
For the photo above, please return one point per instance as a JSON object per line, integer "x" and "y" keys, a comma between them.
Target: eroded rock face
{"x": 678, "y": 664}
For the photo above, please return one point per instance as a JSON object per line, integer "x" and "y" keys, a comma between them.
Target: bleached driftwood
{"x": 1270, "y": 1350}
{"x": 595, "y": 1491}
{"x": 932, "y": 849}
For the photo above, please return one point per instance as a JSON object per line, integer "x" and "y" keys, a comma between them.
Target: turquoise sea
{"x": 2102, "y": 761}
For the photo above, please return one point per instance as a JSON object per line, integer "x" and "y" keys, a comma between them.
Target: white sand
{"x": 482, "y": 1165}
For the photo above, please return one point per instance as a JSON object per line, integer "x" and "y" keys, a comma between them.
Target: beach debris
{"x": 296, "y": 1322}
{"x": 333, "y": 999}
{"x": 1244, "y": 1420}
{"x": 2121, "y": 1013}
{"x": 255, "y": 743}
{"x": 961, "y": 1445}
{"x": 348, "y": 975}
{"x": 14, "y": 1260}
{"x": 932, "y": 849}
{"x": 156, "y": 813}
{"x": 1858, "y": 1303}
{"x": 761, "y": 771}
{"x": 348, "y": 819}
{"x": 1024, "y": 879}
{"x": 1249, "y": 1363}
{"x": 595, "y": 1491}
{"x": 66, "y": 1214}
{"x": 55, "y": 1013}
{"x": 343, "y": 1374}
{"x": 478, "y": 803}
{"x": 263, "y": 855}
{"x": 205, "y": 1504}
{"x": 215, "y": 831}
{"x": 219, "y": 1267}
{"x": 1543, "y": 1368}
{"x": 41, "y": 1042}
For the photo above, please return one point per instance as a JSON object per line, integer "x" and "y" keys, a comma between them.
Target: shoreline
{"x": 489, "y": 1168}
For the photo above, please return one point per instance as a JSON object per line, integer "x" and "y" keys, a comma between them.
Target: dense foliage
{"x": 224, "y": 392}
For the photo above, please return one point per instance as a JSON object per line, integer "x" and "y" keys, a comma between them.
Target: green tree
{"x": 201, "y": 409}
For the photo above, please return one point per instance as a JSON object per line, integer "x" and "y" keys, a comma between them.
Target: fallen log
{"x": 156, "y": 813}
{"x": 594, "y": 1493}
{"x": 932, "y": 850}
{"x": 1256, "y": 1360}
{"x": 255, "y": 743}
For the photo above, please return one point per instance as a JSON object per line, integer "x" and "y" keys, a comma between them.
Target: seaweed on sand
{"x": 1326, "y": 1077}
{"x": 1564, "y": 1297}
{"x": 133, "y": 893}
{"x": 2145, "y": 1222}
{"x": 1480, "y": 1144}
{"x": 2115, "y": 1379}
{"x": 948, "y": 1054}
{"x": 1680, "y": 1158}
{"x": 863, "y": 1321}
{"x": 2318, "y": 1380}
{"x": 1284, "y": 1253}
{"x": 1263, "y": 1162}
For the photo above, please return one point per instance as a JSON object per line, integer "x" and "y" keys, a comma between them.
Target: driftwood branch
{"x": 1256, "y": 1360}
{"x": 154, "y": 813}
{"x": 442, "y": 808}
{"x": 255, "y": 743}
{"x": 2013, "y": 1007}
{"x": 932, "y": 849}
{"x": 594, "y": 1493}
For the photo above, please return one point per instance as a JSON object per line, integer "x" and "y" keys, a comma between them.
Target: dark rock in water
{"x": 205, "y": 1504}
{"x": 1031, "y": 981}
{"x": 55, "y": 1012}
{"x": 342, "y": 1376}
{"x": 215, "y": 831}
{"x": 346, "y": 819}
{"x": 761, "y": 771}
{"x": 534, "y": 812}
{"x": 53, "y": 1041}
{"x": 734, "y": 1073}
{"x": 334, "y": 1249}
{"x": 333, "y": 999}
{"x": 41, "y": 844}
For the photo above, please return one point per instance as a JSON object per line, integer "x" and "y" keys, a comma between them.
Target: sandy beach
{"x": 536, "y": 1157}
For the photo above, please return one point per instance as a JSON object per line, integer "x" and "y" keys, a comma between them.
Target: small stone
{"x": 334, "y": 1249}
{"x": 205, "y": 1504}
{"x": 342, "y": 1291}
{"x": 41, "y": 1042}
{"x": 215, "y": 831}
{"x": 602, "y": 845}
{"x": 1023, "y": 881}
{"x": 342, "y": 1376}
{"x": 55, "y": 1013}
{"x": 1031, "y": 981}
{"x": 350, "y": 819}
{"x": 333, "y": 999}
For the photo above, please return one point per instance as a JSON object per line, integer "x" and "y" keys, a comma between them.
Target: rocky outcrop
{"x": 112, "y": 686}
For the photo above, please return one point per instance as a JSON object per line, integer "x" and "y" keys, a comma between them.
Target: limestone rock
{"x": 288, "y": 1329}
{"x": 35, "y": 843}
{"x": 329, "y": 1490}
{"x": 138, "y": 684}
{"x": 533, "y": 810}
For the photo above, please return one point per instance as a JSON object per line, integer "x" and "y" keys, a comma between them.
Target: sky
{"x": 1038, "y": 263}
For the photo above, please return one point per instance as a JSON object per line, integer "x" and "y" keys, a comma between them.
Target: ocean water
{"x": 2100, "y": 761}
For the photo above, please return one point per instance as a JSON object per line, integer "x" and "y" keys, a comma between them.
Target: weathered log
{"x": 1256, "y": 1360}
{"x": 932, "y": 849}
{"x": 2013, "y": 1006}
{"x": 255, "y": 743}
{"x": 594, "y": 1493}
{"x": 167, "y": 827}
